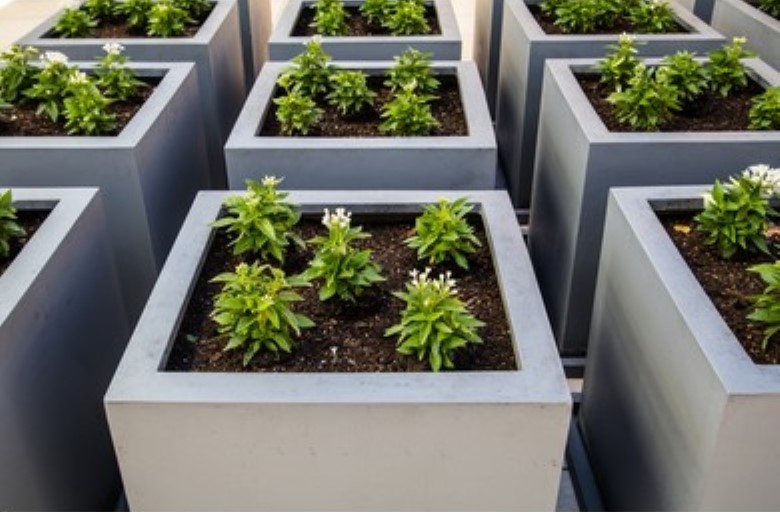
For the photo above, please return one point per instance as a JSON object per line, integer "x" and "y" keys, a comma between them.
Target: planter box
{"x": 255, "y": 18}
{"x": 488, "y": 19}
{"x": 524, "y": 48}
{"x": 447, "y": 163}
{"x": 282, "y": 45}
{"x": 62, "y": 331}
{"x": 215, "y": 50}
{"x": 148, "y": 174}
{"x": 578, "y": 159}
{"x": 339, "y": 441}
{"x": 701, "y": 8}
{"x": 675, "y": 414}
{"x": 736, "y": 18}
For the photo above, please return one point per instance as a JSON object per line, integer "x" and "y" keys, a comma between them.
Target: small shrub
{"x": 74, "y": 21}
{"x": 195, "y": 9}
{"x": 765, "y": 110}
{"x": 618, "y": 67}
{"x": 766, "y": 308}
{"x": 345, "y": 270}
{"x": 646, "y": 103}
{"x": 349, "y": 92}
{"x": 16, "y": 72}
{"x": 578, "y": 16}
{"x": 376, "y": 11}
{"x": 136, "y": 12}
{"x": 442, "y": 233}
{"x": 261, "y": 221}
{"x": 771, "y": 7}
{"x": 254, "y": 308}
{"x": 408, "y": 114}
{"x": 51, "y": 84}
{"x": 683, "y": 72}
{"x": 412, "y": 67}
{"x": 725, "y": 71}
{"x": 166, "y": 19}
{"x": 9, "y": 227}
{"x": 297, "y": 113}
{"x": 114, "y": 78}
{"x": 652, "y": 17}
{"x": 310, "y": 72}
{"x": 330, "y": 18}
{"x": 407, "y": 18}
{"x": 86, "y": 109}
{"x": 435, "y": 322}
{"x": 101, "y": 9}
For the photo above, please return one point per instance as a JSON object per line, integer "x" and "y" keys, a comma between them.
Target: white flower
{"x": 78, "y": 78}
{"x": 71, "y": 4}
{"x": 271, "y": 181}
{"x": 52, "y": 58}
{"x": 341, "y": 218}
{"x": 767, "y": 177}
{"x": 625, "y": 38}
{"x": 114, "y": 48}
{"x": 316, "y": 39}
{"x": 740, "y": 40}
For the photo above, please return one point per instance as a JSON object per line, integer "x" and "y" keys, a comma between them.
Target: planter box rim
{"x": 753, "y": 12}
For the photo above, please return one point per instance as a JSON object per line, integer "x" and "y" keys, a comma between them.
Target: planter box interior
{"x": 675, "y": 414}
{"x": 524, "y": 49}
{"x": 282, "y": 45}
{"x": 338, "y": 441}
{"x": 62, "y": 331}
{"x": 736, "y": 18}
{"x": 465, "y": 162}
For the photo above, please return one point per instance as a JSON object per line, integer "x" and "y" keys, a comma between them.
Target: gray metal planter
{"x": 488, "y": 19}
{"x": 215, "y": 50}
{"x": 255, "y": 18}
{"x": 736, "y": 18}
{"x": 448, "y": 163}
{"x": 148, "y": 174}
{"x": 701, "y": 8}
{"x": 445, "y": 46}
{"x": 524, "y": 48}
{"x": 337, "y": 441}
{"x": 62, "y": 331}
{"x": 675, "y": 414}
{"x": 578, "y": 159}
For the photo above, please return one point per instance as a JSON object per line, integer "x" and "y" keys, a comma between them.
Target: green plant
{"x": 724, "y": 69}
{"x": 74, "y": 21}
{"x": 195, "y": 9}
{"x": 578, "y": 16}
{"x": 767, "y": 304}
{"x": 297, "y": 113}
{"x": 346, "y": 271}
{"x": 136, "y": 12}
{"x": 166, "y": 19}
{"x": 376, "y": 11}
{"x": 254, "y": 308}
{"x": 412, "y": 67}
{"x": 435, "y": 322}
{"x": 16, "y": 72}
{"x": 442, "y": 233}
{"x": 310, "y": 72}
{"x": 735, "y": 216}
{"x": 114, "y": 78}
{"x": 51, "y": 84}
{"x": 618, "y": 67}
{"x": 652, "y": 16}
{"x": 261, "y": 221}
{"x": 101, "y": 9}
{"x": 9, "y": 227}
{"x": 683, "y": 72}
{"x": 349, "y": 92}
{"x": 86, "y": 109}
{"x": 771, "y": 7}
{"x": 330, "y": 18}
{"x": 407, "y": 18}
{"x": 767, "y": 178}
{"x": 408, "y": 114}
{"x": 646, "y": 103}
{"x": 765, "y": 110}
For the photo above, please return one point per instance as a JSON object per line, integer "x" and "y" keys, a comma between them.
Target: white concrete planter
{"x": 445, "y": 46}
{"x": 337, "y": 441}
{"x": 488, "y": 19}
{"x": 148, "y": 174}
{"x": 524, "y": 48}
{"x": 736, "y": 18}
{"x": 577, "y": 161}
{"x": 447, "y": 163}
{"x": 62, "y": 331}
{"x": 675, "y": 414}
{"x": 215, "y": 50}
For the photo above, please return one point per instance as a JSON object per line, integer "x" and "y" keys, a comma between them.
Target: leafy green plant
{"x": 345, "y": 270}
{"x": 652, "y": 17}
{"x": 195, "y": 9}
{"x": 51, "y": 84}
{"x": 435, "y": 322}
{"x": 764, "y": 112}
{"x": 310, "y": 72}
{"x": 725, "y": 71}
{"x": 9, "y": 226}
{"x": 766, "y": 308}
{"x": 683, "y": 72}
{"x": 618, "y": 67}
{"x": 349, "y": 92}
{"x": 16, "y": 72}
{"x": 330, "y": 18}
{"x": 735, "y": 216}
{"x": 86, "y": 109}
{"x": 101, "y": 9}
{"x": 771, "y": 7}
{"x": 261, "y": 221}
{"x": 166, "y": 19}
{"x": 579, "y": 16}
{"x": 408, "y": 114}
{"x": 136, "y": 12}
{"x": 646, "y": 103}
{"x": 376, "y": 11}
{"x": 407, "y": 18}
{"x": 254, "y": 308}
{"x": 297, "y": 113}
{"x": 114, "y": 78}
{"x": 442, "y": 233}
{"x": 74, "y": 21}
{"x": 412, "y": 67}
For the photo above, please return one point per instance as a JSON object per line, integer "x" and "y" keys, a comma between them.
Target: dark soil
{"x": 727, "y": 282}
{"x": 21, "y": 119}
{"x": 547, "y": 24}
{"x": 30, "y": 220}
{"x": 447, "y": 109}
{"x": 357, "y": 25}
{"x": 757, "y": 5}
{"x": 348, "y": 338}
{"x": 710, "y": 113}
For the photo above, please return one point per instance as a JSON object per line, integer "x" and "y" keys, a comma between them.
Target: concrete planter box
{"x": 445, "y": 46}
{"x": 467, "y": 162}
{"x": 578, "y": 159}
{"x": 701, "y": 8}
{"x": 338, "y": 441}
{"x": 675, "y": 414}
{"x": 736, "y": 18}
{"x": 148, "y": 174}
{"x": 62, "y": 331}
{"x": 215, "y": 50}
{"x": 524, "y": 48}
{"x": 255, "y": 18}
{"x": 488, "y": 19}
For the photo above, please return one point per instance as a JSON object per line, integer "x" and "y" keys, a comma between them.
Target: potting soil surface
{"x": 357, "y": 26}
{"x": 621, "y": 25}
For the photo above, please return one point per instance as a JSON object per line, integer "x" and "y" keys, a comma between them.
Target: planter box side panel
{"x": 488, "y": 20}
{"x": 736, "y": 18}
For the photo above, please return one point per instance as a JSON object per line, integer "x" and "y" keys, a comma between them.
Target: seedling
{"x": 136, "y": 12}
{"x": 376, "y": 11}
{"x": 349, "y": 92}
{"x": 330, "y": 18}
{"x": 766, "y": 308}
{"x": 765, "y": 110}
{"x": 725, "y": 71}
{"x": 646, "y": 103}
{"x": 442, "y": 233}
{"x": 578, "y": 16}
{"x": 74, "y": 22}
{"x": 297, "y": 113}
{"x": 194, "y": 8}
{"x": 652, "y": 17}
{"x": 9, "y": 226}
{"x": 435, "y": 322}
{"x": 407, "y": 18}
{"x": 101, "y": 9}
{"x": 51, "y": 85}
{"x": 16, "y": 72}
{"x": 346, "y": 271}
{"x": 254, "y": 308}
{"x": 86, "y": 109}
{"x": 114, "y": 78}
{"x": 310, "y": 72}
{"x": 408, "y": 114}
{"x": 685, "y": 74}
{"x": 412, "y": 67}
{"x": 166, "y": 19}
{"x": 617, "y": 68}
